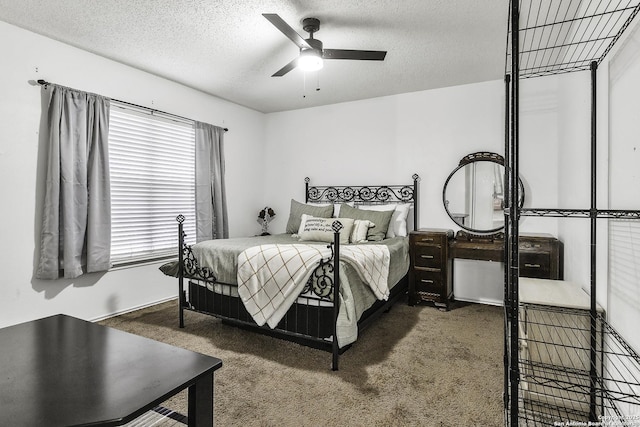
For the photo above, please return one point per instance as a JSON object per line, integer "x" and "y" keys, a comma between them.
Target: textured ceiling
{"x": 228, "y": 49}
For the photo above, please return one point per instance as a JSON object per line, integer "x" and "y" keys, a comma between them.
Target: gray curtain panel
{"x": 76, "y": 219}
{"x": 211, "y": 200}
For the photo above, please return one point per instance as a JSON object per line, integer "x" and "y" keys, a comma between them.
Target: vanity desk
{"x": 474, "y": 197}
{"x": 541, "y": 254}
{"x": 432, "y": 253}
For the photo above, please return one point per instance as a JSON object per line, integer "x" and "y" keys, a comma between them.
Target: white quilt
{"x": 271, "y": 277}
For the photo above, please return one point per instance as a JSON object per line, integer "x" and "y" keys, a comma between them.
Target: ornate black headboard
{"x": 365, "y": 194}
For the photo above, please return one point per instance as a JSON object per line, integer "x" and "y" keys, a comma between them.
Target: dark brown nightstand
{"x": 431, "y": 269}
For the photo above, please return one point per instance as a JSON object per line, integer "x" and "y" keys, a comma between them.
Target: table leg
{"x": 201, "y": 402}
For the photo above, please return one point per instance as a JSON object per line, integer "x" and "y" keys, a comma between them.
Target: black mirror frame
{"x": 481, "y": 156}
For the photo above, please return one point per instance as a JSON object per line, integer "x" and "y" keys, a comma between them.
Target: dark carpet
{"x": 414, "y": 366}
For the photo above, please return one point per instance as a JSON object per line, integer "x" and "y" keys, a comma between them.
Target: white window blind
{"x": 624, "y": 279}
{"x": 152, "y": 161}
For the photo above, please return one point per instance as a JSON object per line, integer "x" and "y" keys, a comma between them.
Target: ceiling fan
{"x": 311, "y": 50}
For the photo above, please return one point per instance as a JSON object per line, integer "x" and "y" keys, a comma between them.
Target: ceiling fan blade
{"x": 366, "y": 55}
{"x": 286, "y": 30}
{"x": 284, "y": 70}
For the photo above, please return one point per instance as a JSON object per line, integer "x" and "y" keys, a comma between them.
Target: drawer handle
{"x": 532, "y": 265}
{"x": 427, "y": 239}
{"x": 426, "y": 281}
{"x": 426, "y": 256}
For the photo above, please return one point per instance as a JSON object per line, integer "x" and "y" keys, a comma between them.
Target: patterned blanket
{"x": 271, "y": 277}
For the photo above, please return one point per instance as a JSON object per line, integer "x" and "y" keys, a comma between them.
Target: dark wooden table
{"x": 63, "y": 371}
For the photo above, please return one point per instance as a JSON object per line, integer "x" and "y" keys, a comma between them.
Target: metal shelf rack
{"x": 597, "y": 380}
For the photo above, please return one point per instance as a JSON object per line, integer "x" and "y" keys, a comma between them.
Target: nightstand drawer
{"x": 429, "y": 239}
{"x": 534, "y": 245}
{"x": 428, "y": 281}
{"x": 427, "y": 256}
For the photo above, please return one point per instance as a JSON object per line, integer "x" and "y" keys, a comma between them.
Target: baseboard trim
{"x": 131, "y": 309}
{"x": 487, "y": 301}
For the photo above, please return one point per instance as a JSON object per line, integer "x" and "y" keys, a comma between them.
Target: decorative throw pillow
{"x": 297, "y": 209}
{"x": 321, "y": 229}
{"x": 360, "y": 229}
{"x": 398, "y": 223}
{"x": 381, "y": 220}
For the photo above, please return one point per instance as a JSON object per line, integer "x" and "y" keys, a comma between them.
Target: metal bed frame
{"x": 312, "y": 323}
{"x": 598, "y": 382}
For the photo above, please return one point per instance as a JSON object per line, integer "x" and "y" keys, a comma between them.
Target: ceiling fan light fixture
{"x": 312, "y": 52}
{"x": 310, "y": 60}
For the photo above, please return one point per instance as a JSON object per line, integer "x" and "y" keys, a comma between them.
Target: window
{"x": 152, "y": 166}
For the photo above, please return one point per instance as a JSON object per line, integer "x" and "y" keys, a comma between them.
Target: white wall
{"x": 624, "y": 187}
{"x": 385, "y": 140}
{"x": 27, "y": 56}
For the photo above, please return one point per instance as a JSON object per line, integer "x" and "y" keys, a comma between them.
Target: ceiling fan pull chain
{"x": 318, "y": 83}
{"x": 304, "y": 85}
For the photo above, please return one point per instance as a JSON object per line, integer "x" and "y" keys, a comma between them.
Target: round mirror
{"x": 473, "y": 194}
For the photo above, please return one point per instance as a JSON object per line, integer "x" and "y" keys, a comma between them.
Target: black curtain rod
{"x": 44, "y": 82}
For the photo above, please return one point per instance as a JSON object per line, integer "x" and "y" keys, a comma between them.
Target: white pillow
{"x": 399, "y": 219}
{"x": 321, "y": 229}
{"x": 336, "y": 208}
{"x": 359, "y": 232}
{"x": 398, "y": 223}
{"x": 303, "y": 219}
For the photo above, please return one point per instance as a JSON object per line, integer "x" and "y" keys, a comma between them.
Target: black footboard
{"x": 313, "y": 324}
